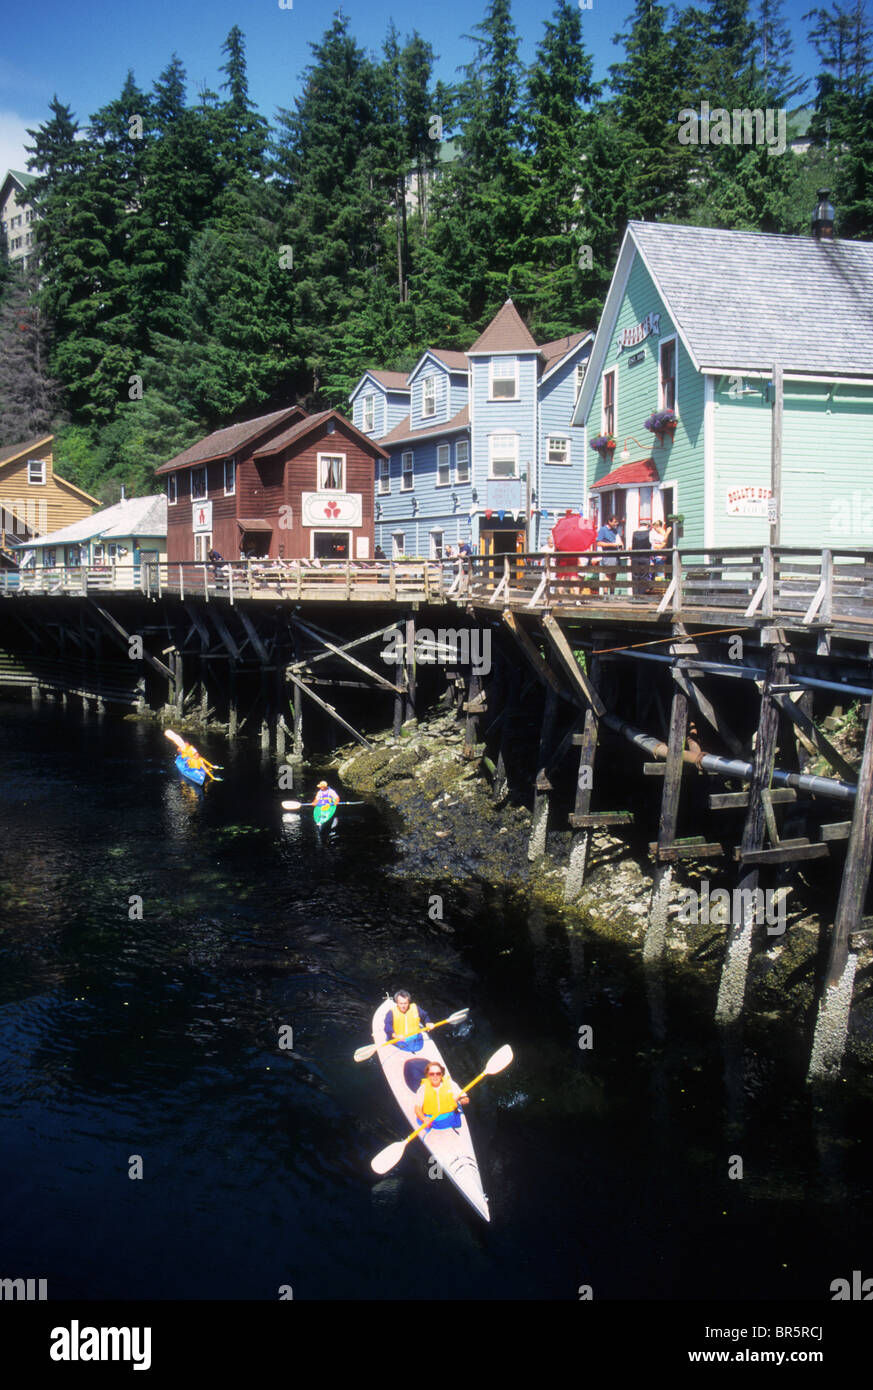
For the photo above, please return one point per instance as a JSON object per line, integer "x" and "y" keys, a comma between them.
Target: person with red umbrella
{"x": 573, "y": 535}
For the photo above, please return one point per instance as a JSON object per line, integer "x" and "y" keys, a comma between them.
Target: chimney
{"x": 823, "y": 217}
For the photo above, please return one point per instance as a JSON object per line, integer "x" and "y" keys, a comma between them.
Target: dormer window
{"x": 428, "y": 396}
{"x": 369, "y": 413}
{"x": 504, "y": 379}
{"x": 36, "y": 471}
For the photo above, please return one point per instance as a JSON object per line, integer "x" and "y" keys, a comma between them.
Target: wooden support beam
{"x": 572, "y": 669}
{"x": 341, "y": 651}
{"x": 540, "y": 825}
{"x": 122, "y": 638}
{"x": 253, "y": 636}
{"x": 694, "y": 848}
{"x": 540, "y": 666}
{"x": 304, "y": 689}
{"x": 712, "y": 716}
{"x": 224, "y": 633}
{"x": 738, "y": 947}
{"x": 581, "y": 842}
{"x": 654, "y": 769}
{"x": 593, "y": 819}
{"x": 837, "y": 830}
{"x": 730, "y": 801}
{"x": 856, "y": 874}
{"x": 814, "y": 736}
{"x": 786, "y": 852}
{"x": 656, "y": 929}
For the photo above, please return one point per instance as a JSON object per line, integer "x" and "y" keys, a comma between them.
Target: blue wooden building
{"x": 484, "y": 450}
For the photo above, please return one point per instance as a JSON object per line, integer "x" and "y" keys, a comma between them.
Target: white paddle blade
{"x": 174, "y": 738}
{"x": 459, "y": 1016}
{"x": 291, "y": 805}
{"x": 499, "y": 1061}
{"x": 363, "y": 1053}
{"x": 386, "y": 1160}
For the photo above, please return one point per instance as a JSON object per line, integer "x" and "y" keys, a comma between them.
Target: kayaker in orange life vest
{"x": 405, "y": 1022}
{"x": 438, "y": 1098}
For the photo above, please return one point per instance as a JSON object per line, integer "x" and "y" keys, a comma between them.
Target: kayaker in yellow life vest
{"x": 438, "y": 1098}
{"x": 325, "y": 796}
{"x": 193, "y": 758}
{"x": 405, "y": 1022}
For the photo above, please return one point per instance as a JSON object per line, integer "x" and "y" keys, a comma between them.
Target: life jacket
{"x": 191, "y": 756}
{"x": 405, "y": 1025}
{"x": 438, "y": 1101}
{"x": 324, "y": 798}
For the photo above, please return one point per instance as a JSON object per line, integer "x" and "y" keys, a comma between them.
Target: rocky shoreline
{"x": 451, "y": 832}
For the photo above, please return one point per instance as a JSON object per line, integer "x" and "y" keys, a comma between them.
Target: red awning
{"x": 253, "y": 524}
{"x": 628, "y": 474}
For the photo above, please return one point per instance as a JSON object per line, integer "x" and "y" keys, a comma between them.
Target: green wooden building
{"x": 696, "y": 321}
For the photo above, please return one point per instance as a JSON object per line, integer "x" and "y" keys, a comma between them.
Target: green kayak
{"x": 324, "y": 813}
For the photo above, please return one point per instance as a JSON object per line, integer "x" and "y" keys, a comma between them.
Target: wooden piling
{"x": 540, "y": 824}
{"x": 656, "y": 929}
{"x": 581, "y": 841}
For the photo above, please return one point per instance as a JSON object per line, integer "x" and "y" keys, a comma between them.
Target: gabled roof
{"x": 17, "y": 451}
{"x": 390, "y": 381}
{"x": 22, "y": 180}
{"x": 223, "y": 443}
{"x": 300, "y": 428}
{"x": 643, "y": 471}
{"x": 743, "y": 300}
{"x": 135, "y": 516}
{"x": 402, "y": 434}
{"x": 553, "y": 354}
{"x": 505, "y": 333}
{"x": 747, "y": 299}
{"x": 455, "y": 361}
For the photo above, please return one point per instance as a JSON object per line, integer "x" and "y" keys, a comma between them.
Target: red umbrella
{"x": 573, "y": 533}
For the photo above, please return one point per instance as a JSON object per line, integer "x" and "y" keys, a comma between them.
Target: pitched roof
{"x": 505, "y": 333}
{"x": 744, "y": 300}
{"x": 455, "y": 361}
{"x": 394, "y": 381}
{"x": 14, "y": 451}
{"x": 223, "y": 443}
{"x": 300, "y": 428}
{"x": 135, "y": 516}
{"x": 401, "y": 434}
{"x": 643, "y": 471}
{"x": 553, "y": 352}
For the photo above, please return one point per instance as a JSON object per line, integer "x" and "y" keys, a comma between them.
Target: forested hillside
{"x": 198, "y": 263}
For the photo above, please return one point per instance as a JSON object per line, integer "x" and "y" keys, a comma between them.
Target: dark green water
{"x": 159, "y": 1038}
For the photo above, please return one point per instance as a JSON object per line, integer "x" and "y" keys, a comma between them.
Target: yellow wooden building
{"x": 34, "y": 500}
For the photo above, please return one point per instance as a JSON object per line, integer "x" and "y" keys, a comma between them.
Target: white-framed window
{"x": 503, "y": 455}
{"x": 444, "y": 465}
{"x": 36, "y": 471}
{"x": 172, "y": 489}
{"x": 667, "y": 380}
{"x": 331, "y": 472}
{"x": 428, "y": 396}
{"x": 369, "y": 414}
{"x": 407, "y": 476}
{"x": 384, "y": 475}
{"x": 331, "y": 545}
{"x": 398, "y": 543}
{"x": 202, "y": 546}
{"x": 462, "y": 461}
{"x": 436, "y": 545}
{"x": 581, "y": 368}
{"x": 607, "y": 417}
{"x": 504, "y": 379}
{"x": 198, "y": 484}
{"x": 229, "y": 477}
{"x": 558, "y": 449}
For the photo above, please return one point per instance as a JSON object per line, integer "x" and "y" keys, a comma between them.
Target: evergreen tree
{"x": 559, "y": 86}
{"x": 29, "y": 397}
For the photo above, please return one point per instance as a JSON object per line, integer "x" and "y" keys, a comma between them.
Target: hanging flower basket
{"x": 662, "y": 422}
{"x": 604, "y": 444}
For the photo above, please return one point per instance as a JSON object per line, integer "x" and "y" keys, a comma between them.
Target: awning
{"x": 257, "y": 523}
{"x": 630, "y": 474}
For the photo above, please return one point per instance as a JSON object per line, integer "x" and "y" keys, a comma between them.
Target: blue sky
{"x": 82, "y": 53}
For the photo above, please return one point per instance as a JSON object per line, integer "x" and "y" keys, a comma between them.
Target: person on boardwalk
{"x": 609, "y": 539}
{"x": 438, "y": 1098}
{"x": 659, "y": 539}
{"x": 406, "y": 1022}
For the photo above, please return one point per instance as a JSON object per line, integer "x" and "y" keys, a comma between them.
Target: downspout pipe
{"x": 735, "y": 669}
{"x": 732, "y": 767}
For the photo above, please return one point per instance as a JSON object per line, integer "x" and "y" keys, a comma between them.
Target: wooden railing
{"x": 805, "y": 587}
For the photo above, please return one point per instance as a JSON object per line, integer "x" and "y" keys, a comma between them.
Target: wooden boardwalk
{"x": 814, "y": 591}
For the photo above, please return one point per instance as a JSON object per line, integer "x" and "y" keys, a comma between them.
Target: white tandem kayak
{"x": 452, "y": 1148}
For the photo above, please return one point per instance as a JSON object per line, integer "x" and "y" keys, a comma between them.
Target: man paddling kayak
{"x": 325, "y": 796}
{"x": 405, "y": 1022}
{"x": 189, "y": 754}
{"x": 438, "y": 1099}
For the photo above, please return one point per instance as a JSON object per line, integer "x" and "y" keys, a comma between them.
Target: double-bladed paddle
{"x": 388, "y": 1158}
{"x": 364, "y": 1053}
{"x": 301, "y": 805}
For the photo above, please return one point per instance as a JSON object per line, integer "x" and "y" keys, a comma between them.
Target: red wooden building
{"x": 285, "y": 486}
